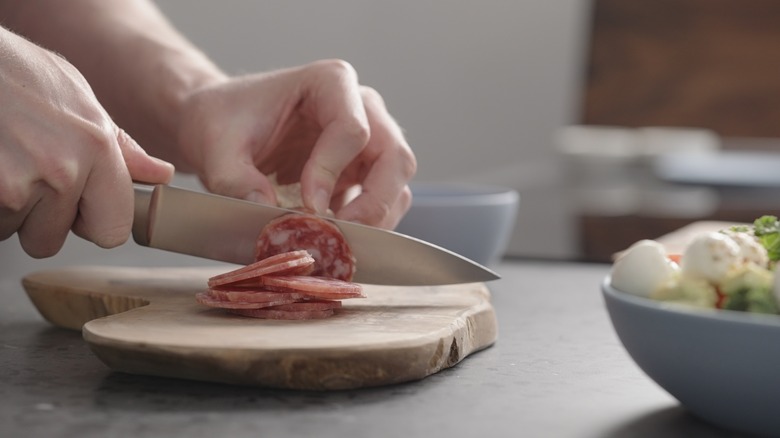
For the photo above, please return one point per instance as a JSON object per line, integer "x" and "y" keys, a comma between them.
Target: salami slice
{"x": 283, "y": 314}
{"x": 308, "y": 305}
{"x": 290, "y": 262}
{"x": 254, "y": 296}
{"x": 321, "y": 238}
{"x": 208, "y": 300}
{"x": 323, "y": 287}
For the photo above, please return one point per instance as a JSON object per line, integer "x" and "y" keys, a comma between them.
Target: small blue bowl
{"x": 473, "y": 220}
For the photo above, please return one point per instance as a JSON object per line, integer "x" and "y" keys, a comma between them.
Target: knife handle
{"x": 143, "y": 204}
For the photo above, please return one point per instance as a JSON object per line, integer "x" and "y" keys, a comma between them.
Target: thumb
{"x": 142, "y": 167}
{"x": 239, "y": 179}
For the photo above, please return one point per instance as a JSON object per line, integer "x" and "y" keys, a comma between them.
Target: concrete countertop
{"x": 557, "y": 370}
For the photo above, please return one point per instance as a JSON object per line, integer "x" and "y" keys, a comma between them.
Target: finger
{"x": 238, "y": 178}
{"x": 388, "y": 173}
{"x": 339, "y": 110}
{"x": 47, "y": 224}
{"x": 399, "y": 209}
{"x": 105, "y": 208}
{"x": 142, "y": 167}
{"x": 18, "y": 195}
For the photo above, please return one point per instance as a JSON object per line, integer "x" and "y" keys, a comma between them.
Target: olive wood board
{"x": 146, "y": 321}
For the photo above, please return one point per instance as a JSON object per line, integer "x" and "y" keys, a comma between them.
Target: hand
{"x": 314, "y": 124}
{"x": 64, "y": 164}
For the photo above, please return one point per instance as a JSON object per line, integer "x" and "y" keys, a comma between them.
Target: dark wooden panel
{"x": 703, "y": 63}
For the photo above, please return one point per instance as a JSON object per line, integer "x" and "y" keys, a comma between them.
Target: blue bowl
{"x": 722, "y": 365}
{"x": 473, "y": 220}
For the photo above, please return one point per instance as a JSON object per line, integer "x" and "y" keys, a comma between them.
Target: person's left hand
{"x": 314, "y": 124}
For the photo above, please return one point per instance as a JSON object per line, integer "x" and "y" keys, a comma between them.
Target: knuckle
{"x": 356, "y": 129}
{"x": 62, "y": 175}
{"x": 375, "y": 211}
{"x": 405, "y": 199}
{"x": 408, "y": 163}
{"x": 100, "y": 138}
{"x": 372, "y": 95}
{"x": 14, "y": 197}
{"x": 337, "y": 67}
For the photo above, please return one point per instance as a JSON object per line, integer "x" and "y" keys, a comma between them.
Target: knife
{"x": 226, "y": 229}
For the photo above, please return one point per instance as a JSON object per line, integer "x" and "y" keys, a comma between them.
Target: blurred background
{"x": 479, "y": 87}
{"x": 615, "y": 120}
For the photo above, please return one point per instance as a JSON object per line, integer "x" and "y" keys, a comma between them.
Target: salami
{"x": 283, "y": 314}
{"x": 308, "y": 305}
{"x": 206, "y": 299}
{"x": 303, "y": 270}
{"x": 253, "y": 295}
{"x": 321, "y": 238}
{"x": 290, "y": 262}
{"x": 329, "y": 288}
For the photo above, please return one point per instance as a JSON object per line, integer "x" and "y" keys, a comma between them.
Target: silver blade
{"x": 226, "y": 229}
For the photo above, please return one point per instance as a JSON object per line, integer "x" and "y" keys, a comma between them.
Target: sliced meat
{"x": 289, "y": 262}
{"x": 254, "y": 296}
{"x": 206, "y": 299}
{"x": 322, "y": 287}
{"x": 308, "y": 305}
{"x": 284, "y": 314}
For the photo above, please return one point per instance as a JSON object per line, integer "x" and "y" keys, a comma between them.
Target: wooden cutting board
{"x": 146, "y": 321}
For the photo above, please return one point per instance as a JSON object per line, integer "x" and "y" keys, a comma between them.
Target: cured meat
{"x": 253, "y": 295}
{"x": 322, "y": 239}
{"x": 308, "y": 305}
{"x": 280, "y": 284}
{"x": 329, "y": 288}
{"x": 291, "y": 262}
{"x": 283, "y": 314}
{"x": 208, "y": 300}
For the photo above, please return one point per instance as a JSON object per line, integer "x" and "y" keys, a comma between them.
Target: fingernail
{"x": 258, "y": 197}
{"x": 321, "y": 201}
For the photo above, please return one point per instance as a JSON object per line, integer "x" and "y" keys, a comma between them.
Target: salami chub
{"x": 321, "y": 238}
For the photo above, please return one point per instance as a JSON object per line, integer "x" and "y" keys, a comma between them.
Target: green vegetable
{"x": 749, "y": 290}
{"x": 739, "y": 229}
{"x": 767, "y": 230}
{"x": 693, "y": 291}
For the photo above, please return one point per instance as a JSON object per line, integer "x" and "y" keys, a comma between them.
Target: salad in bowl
{"x": 732, "y": 269}
{"x": 703, "y": 323}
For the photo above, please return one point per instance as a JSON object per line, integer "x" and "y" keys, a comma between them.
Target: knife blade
{"x": 226, "y": 229}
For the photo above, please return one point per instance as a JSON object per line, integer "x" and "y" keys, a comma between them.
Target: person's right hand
{"x": 64, "y": 164}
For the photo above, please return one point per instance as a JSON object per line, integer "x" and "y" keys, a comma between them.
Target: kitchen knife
{"x": 226, "y": 229}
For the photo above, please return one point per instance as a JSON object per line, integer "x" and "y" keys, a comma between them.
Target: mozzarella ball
{"x": 750, "y": 249}
{"x": 642, "y": 268}
{"x": 711, "y": 256}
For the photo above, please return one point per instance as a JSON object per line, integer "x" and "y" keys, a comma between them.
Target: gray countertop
{"x": 557, "y": 370}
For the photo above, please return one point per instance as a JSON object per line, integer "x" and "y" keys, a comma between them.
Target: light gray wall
{"x": 479, "y": 86}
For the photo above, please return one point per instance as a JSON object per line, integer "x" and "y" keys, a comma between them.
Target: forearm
{"x": 139, "y": 66}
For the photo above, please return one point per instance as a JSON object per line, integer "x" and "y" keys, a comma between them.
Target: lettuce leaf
{"x": 767, "y": 230}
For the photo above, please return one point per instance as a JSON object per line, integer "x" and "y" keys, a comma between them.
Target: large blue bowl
{"x": 723, "y": 366}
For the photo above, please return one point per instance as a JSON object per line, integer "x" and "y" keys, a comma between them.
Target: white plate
{"x": 723, "y": 366}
